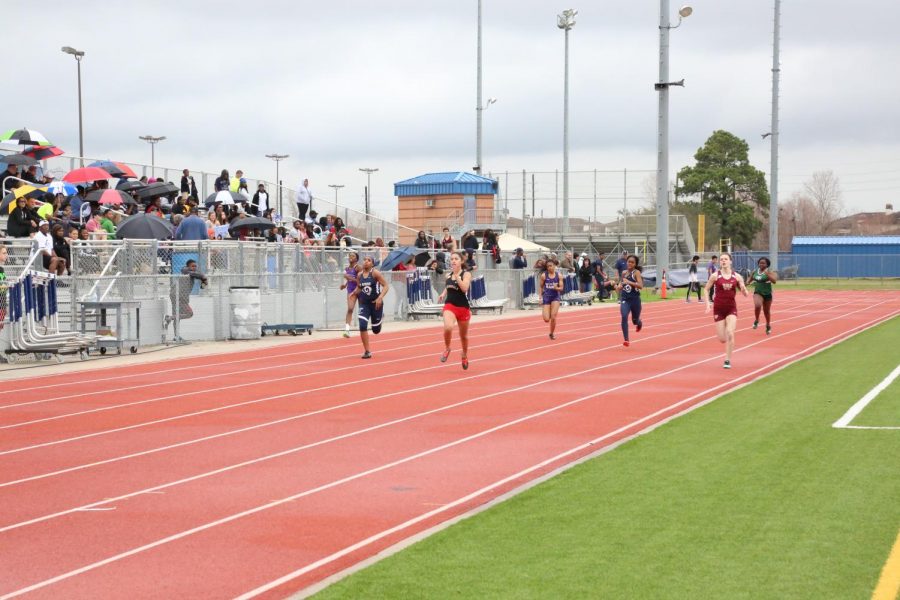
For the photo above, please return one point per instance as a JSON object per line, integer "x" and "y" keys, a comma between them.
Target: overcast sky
{"x": 345, "y": 84}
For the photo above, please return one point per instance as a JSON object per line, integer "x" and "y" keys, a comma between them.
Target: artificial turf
{"x": 884, "y": 409}
{"x": 754, "y": 495}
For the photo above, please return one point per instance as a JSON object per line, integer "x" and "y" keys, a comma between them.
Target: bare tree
{"x": 824, "y": 191}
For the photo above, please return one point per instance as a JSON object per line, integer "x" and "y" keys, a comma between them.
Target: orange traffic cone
{"x": 662, "y": 287}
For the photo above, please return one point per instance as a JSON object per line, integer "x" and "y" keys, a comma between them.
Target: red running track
{"x": 260, "y": 474}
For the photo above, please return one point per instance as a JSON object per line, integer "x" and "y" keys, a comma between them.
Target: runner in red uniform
{"x": 726, "y": 283}
{"x": 456, "y": 310}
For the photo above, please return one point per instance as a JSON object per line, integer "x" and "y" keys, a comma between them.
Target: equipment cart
{"x": 117, "y": 338}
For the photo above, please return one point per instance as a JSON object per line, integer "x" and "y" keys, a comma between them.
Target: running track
{"x": 260, "y": 474}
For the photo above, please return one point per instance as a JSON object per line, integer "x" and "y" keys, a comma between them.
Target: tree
{"x": 824, "y": 191}
{"x": 732, "y": 191}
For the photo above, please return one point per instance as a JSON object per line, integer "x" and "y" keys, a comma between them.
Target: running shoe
{"x": 626, "y": 343}
{"x": 727, "y": 364}
{"x": 768, "y": 329}
{"x": 346, "y": 334}
{"x": 465, "y": 363}
{"x": 755, "y": 324}
{"x": 367, "y": 355}
{"x": 552, "y": 336}
{"x": 445, "y": 355}
{"x": 640, "y": 325}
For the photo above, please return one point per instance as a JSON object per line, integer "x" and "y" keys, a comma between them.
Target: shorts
{"x": 720, "y": 312}
{"x": 764, "y": 296}
{"x": 548, "y": 299}
{"x": 462, "y": 313}
{"x": 369, "y": 315}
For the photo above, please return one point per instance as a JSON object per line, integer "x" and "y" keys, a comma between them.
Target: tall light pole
{"x": 480, "y": 107}
{"x": 152, "y": 140}
{"x": 662, "y": 142}
{"x": 566, "y": 21}
{"x": 773, "y": 175}
{"x": 368, "y": 173}
{"x": 78, "y": 54}
{"x": 278, "y": 158}
{"x": 336, "y": 187}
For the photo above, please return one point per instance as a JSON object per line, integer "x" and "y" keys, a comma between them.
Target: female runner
{"x": 629, "y": 287}
{"x": 762, "y": 280}
{"x": 551, "y": 285}
{"x": 725, "y": 283}
{"x": 371, "y": 290}
{"x": 456, "y": 309}
{"x": 351, "y": 279}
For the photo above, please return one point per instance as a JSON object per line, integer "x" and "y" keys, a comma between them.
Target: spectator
{"x": 304, "y": 198}
{"x": 188, "y": 187}
{"x": 448, "y": 244}
{"x": 622, "y": 263}
{"x": 43, "y": 243}
{"x": 244, "y": 191}
{"x": 331, "y": 240}
{"x": 30, "y": 175}
{"x": 179, "y": 208}
{"x": 711, "y": 268}
{"x": 604, "y": 285}
{"x": 312, "y": 217}
{"x": 438, "y": 265}
{"x": 567, "y": 262}
{"x": 470, "y": 264}
{"x": 518, "y": 260}
{"x": 107, "y": 224}
{"x": 154, "y": 208}
{"x": 235, "y": 183}
{"x": 61, "y": 247}
{"x": 469, "y": 241}
{"x": 222, "y": 182}
{"x": 585, "y": 273}
{"x": 491, "y": 245}
{"x": 180, "y": 292}
{"x": 21, "y": 222}
{"x": 259, "y": 204}
{"x": 192, "y": 228}
{"x": 11, "y": 171}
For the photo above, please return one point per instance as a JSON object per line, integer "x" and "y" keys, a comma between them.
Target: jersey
{"x": 724, "y": 298}
{"x": 351, "y": 285}
{"x": 368, "y": 287}
{"x": 628, "y": 289}
{"x": 763, "y": 285}
{"x": 455, "y": 296}
{"x": 550, "y": 293}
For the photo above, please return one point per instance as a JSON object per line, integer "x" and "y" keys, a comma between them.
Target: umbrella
{"x": 156, "y": 190}
{"x": 24, "y": 137}
{"x": 251, "y": 223}
{"x": 144, "y": 227}
{"x": 85, "y": 174}
{"x": 224, "y": 197}
{"x": 61, "y": 187}
{"x": 399, "y": 256}
{"x": 113, "y": 168}
{"x": 18, "y": 159}
{"x": 114, "y": 197}
{"x": 128, "y": 186}
{"x": 43, "y": 152}
{"x": 28, "y": 191}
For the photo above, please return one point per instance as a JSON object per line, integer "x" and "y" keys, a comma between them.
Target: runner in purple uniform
{"x": 351, "y": 280}
{"x": 551, "y": 285}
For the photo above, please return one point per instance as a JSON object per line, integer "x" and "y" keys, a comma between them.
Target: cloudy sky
{"x": 390, "y": 84}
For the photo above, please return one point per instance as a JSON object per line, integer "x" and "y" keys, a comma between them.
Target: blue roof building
{"x": 442, "y": 184}
{"x": 847, "y": 256}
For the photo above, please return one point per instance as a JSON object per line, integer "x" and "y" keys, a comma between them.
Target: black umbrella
{"x": 251, "y": 223}
{"x": 224, "y": 197}
{"x": 20, "y": 160}
{"x": 144, "y": 227}
{"x": 128, "y": 185}
{"x": 156, "y": 190}
{"x": 399, "y": 256}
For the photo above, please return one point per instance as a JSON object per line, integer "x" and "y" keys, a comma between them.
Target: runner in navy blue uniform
{"x": 629, "y": 287}
{"x": 551, "y": 286}
{"x": 456, "y": 309}
{"x": 370, "y": 292}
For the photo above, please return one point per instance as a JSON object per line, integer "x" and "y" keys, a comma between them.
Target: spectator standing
{"x": 448, "y": 244}
{"x": 259, "y": 204}
{"x": 192, "y": 228}
{"x": 491, "y": 245}
{"x": 469, "y": 241}
{"x": 180, "y": 292}
{"x": 622, "y": 263}
{"x": 585, "y": 273}
{"x": 604, "y": 285}
{"x": 234, "y": 183}
{"x": 222, "y": 181}
{"x": 188, "y": 186}
{"x": 693, "y": 281}
{"x": 567, "y": 263}
{"x": 518, "y": 261}
{"x": 711, "y": 268}
{"x": 304, "y": 198}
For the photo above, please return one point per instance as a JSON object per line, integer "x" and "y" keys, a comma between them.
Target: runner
{"x": 371, "y": 290}
{"x": 694, "y": 282}
{"x": 629, "y": 287}
{"x": 456, "y": 309}
{"x": 551, "y": 285}
{"x": 763, "y": 279}
{"x": 726, "y": 283}
{"x": 351, "y": 279}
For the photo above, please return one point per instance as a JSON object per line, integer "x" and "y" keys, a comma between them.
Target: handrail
{"x": 109, "y": 287}
{"x": 103, "y": 272}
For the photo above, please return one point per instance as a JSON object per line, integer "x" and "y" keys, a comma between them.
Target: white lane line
{"x": 429, "y": 452}
{"x": 282, "y": 396}
{"x": 857, "y": 408}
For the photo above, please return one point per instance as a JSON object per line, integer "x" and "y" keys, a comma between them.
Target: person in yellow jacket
{"x": 236, "y": 180}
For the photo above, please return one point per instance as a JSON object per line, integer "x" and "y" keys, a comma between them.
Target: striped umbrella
{"x": 58, "y": 186}
{"x": 115, "y": 169}
{"x": 113, "y": 197}
{"x": 24, "y": 137}
{"x": 27, "y": 191}
{"x": 43, "y": 152}
{"x": 85, "y": 174}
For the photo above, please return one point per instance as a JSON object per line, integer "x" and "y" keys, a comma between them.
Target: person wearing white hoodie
{"x": 304, "y": 199}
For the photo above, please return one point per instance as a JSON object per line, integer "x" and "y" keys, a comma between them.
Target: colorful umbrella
{"x": 114, "y": 197}
{"x": 18, "y": 159}
{"x": 85, "y": 174}
{"x": 24, "y": 137}
{"x": 43, "y": 152}
{"x": 28, "y": 191}
{"x": 113, "y": 168}
{"x": 61, "y": 187}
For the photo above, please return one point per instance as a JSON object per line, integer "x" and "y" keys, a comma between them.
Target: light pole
{"x": 566, "y": 21}
{"x": 336, "y": 187}
{"x": 480, "y": 110}
{"x": 662, "y": 142}
{"x": 480, "y": 107}
{"x": 78, "y": 54}
{"x": 278, "y": 158}
{"x": 368, "y": 173}
{"x": 152, "y": 140}
{"x": 773, "y": 175}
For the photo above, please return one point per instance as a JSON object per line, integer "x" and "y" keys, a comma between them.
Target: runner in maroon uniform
{"x": 726, "y": 283}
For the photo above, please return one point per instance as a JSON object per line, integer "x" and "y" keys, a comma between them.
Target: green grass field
{"x": 884, "y": 410}
{"x": 752, "y": 496}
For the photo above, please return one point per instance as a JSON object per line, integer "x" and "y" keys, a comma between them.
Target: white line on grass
{"x": 844, "y": 422}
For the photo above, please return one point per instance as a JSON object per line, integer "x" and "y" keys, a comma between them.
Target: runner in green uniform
{"x": 763, "y": 279}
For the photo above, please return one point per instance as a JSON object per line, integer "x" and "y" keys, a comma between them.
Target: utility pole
{"x": 773, "y": 175}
